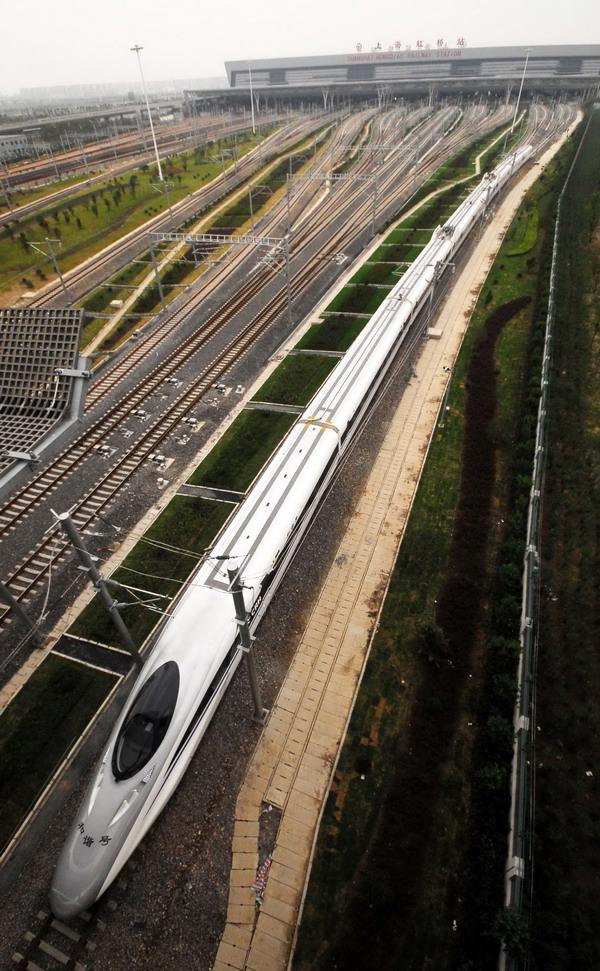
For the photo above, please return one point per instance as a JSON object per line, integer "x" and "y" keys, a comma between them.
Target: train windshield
{"x": 147, "y": 722}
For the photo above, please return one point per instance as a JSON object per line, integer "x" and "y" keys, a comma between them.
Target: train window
{"x": 146, "y": 722}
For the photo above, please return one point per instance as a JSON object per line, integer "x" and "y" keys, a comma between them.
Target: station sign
{"x": 399, "y": 51}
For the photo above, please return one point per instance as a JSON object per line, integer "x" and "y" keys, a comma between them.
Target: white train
{"x": 197, "y": 651}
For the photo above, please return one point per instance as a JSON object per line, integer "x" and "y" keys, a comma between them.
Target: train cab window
{"x": 146, "y": 722}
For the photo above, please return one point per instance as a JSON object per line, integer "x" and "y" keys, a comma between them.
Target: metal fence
{"x": 519, "y": 871}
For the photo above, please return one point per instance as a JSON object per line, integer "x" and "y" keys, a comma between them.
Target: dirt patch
{"x": 459, "y": 604}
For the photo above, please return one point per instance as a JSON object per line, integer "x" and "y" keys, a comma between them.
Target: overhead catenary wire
{"x": 189, "y": 553}
{"x": 35, "y": 627}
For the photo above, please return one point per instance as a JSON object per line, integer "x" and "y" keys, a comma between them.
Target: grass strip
{"x": 333, "y": 334}
{"x": 88, "y": 221}
{"x": 401, "y": 246}
{"x": 359, "y": 298}
{"x": 21, "y": 197}
{"x": 39, "y": 727}
{"x": 184, "y": 269}
{"x": 186, "y": 522}
{"x": 296, "y": 380}
{"x": 241, "y": 452}
{"x": 526, "y": 232}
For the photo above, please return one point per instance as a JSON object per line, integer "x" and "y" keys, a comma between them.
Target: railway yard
{"x": 281, "y": 256}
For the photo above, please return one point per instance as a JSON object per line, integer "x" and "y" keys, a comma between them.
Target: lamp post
{"x": 527, "y": 53}
{"x": 137, "y": 50}
{"x": 252, "y": 100}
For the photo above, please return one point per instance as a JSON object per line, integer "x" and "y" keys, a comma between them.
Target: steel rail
{"x": 33, "y": 568}
{"x": 48, "y": 479}
{"x": 186, "y": 208}
{"x": 29, "y": 495}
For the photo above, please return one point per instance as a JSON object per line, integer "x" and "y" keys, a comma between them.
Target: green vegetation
{"x": 88, "y": 221}
{"x": 21, "y": 197}
{"x": 239, "y": 455}
{"x": 183, "y": 269}
{"x": 463, "y": 165}
{"x": 296, "y": 380}
{"x": 360, "y": 298}
{"x": 187, "y": 523}
{"x": 333, "y": 334}
{"x": 414, "y": 831}
{"x": 494, "y": 154}
{"x": 37, "y": 730}
{"x": 98, "y": 301}
{"x": 361, "y": 135}
{"x": 401, "y": 246}
{"x": 566, "y": 882}
{"x": 526, "y": 231}
{"x": 238, "y": 213}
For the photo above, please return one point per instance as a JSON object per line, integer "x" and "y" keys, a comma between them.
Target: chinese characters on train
{"x": 88, "y": 840}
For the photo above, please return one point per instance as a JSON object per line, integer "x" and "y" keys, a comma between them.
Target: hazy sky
{"x": 70, "y": 41}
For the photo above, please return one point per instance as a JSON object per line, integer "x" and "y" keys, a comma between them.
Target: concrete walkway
{"x": 294, "y": 761}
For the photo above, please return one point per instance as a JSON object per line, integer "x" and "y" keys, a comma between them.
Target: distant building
{"x": 111, "y": 90}
{"x": 13, "y": 147}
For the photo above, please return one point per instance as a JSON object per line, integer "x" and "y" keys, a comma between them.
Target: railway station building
{"x": 396, "y": 66}
{"x": 405, "y": 71}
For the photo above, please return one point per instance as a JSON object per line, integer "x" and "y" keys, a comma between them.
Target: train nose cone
{"x": 80, "y": 874}
{"x": 65, "y": 906}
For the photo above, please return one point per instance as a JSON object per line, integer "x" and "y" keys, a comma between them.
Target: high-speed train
{"x": 198, "y": 649}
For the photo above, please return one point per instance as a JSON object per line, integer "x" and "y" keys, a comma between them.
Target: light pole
{"x": 527, "y": 53}
{"x": 252, "y": 100}
{"x": 137, "y": 50}
{"x": 246, "y": 640}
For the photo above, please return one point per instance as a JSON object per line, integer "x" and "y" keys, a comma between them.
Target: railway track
{"x": 35, "y": 566}
{"x": 188, "y": 142}
{"x": 119, "y": 147}
{"x": 50, "y": 943}
{"x": 48, "y": 553}
{"x": 84, "y": 277}
{"x": 44, "y": 483}
{"x": 206, "y": 286}
{"x": 71, "y": 457}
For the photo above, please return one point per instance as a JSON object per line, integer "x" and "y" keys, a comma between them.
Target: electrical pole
{"x": 246, "y": 640}
{"x": 288, "y": 281}
{"x": 374, "y": 210}
{"x": 140, "y": 125}
{"x": 85, "y": 160}
{"x": 50, "y": 252}
{"x": 87, "y": 561}
{"x": 51, "y": 154}
{"x": 158, "y": 279}
{"x": 137, "y": 50}
{"x": 110, "y": 138}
